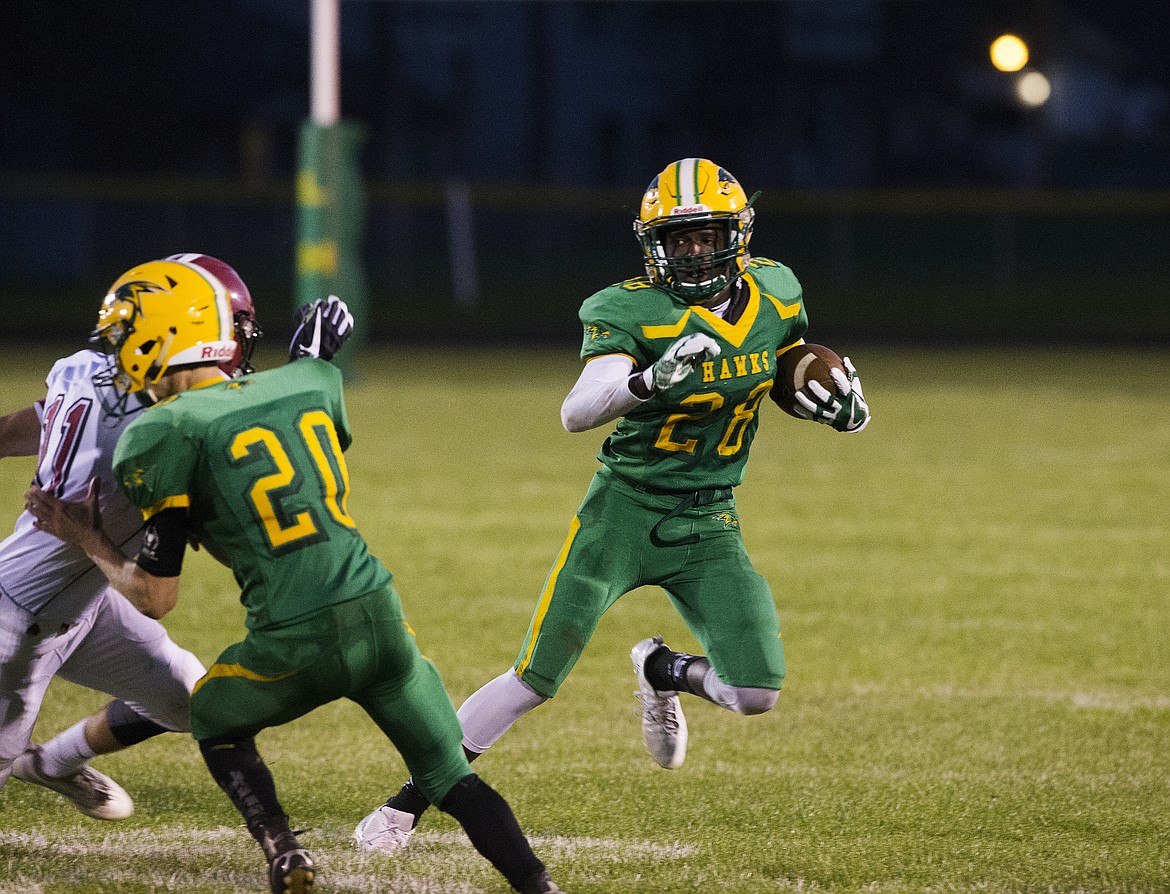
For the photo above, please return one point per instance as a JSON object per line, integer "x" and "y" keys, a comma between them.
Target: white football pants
{"x": 113, "y": 648}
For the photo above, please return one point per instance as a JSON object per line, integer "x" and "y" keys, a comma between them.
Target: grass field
{"x": 975, "y": 599}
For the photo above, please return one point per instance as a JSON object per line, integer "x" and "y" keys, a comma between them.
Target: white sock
{"x": 492, "y": 709}
{"x": 66, "y": 752}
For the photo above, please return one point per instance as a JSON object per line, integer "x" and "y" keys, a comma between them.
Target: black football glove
{"x": 322, "y": 328}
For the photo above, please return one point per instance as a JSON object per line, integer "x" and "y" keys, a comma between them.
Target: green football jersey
{"x": 258, "y": 463}
{"x": 696, "y": 434}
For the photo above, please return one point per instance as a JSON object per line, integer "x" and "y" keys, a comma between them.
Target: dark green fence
{"x": 913, "y": 266}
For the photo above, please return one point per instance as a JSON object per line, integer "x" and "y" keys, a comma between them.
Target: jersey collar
{"x": 733, "y": 333}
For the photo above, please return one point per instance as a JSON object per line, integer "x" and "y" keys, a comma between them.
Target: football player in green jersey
{"x": 253, "y": 468}
{"x": 683, "y": 357}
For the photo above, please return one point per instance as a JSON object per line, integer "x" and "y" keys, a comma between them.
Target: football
{"x": 798, "y": 366}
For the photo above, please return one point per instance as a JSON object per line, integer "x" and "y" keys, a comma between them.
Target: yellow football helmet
{"x": 694, "y": 192}
{"x": 159, "y": 316}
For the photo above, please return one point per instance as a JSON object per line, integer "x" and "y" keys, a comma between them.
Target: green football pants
{"x": 725, "y": 602}
{"x": 362, "y": 650}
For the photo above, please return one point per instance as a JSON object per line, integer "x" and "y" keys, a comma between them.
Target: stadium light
{"x": 1009, "y": 53}
{"x": 1033, "y": 89}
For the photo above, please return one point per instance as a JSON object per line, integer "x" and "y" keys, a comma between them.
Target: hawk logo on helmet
{"x": 132, "y": 290}
{"x": 162, "y": 315}
{"x": 120, "y": 310}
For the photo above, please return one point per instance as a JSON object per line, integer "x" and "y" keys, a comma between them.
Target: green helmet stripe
{"x": 687, "y": 170}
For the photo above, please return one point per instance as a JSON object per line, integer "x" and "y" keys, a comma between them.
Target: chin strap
{"x": 159, "y": 364}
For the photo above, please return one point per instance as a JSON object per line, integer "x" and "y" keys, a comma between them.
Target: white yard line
{"x": 223, "y": 850}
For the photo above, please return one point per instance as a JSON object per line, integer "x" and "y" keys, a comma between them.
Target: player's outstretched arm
{"x": 80, "y": 524}
{"x": 322, "y": 327}
{"x": 846, "y": 410}
{"x": 20, "y": 433}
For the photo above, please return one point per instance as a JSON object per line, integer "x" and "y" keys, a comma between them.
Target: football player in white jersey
{"x": 59, "y": 617}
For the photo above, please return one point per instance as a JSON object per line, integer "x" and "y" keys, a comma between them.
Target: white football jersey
{"x": 38, "y": 572}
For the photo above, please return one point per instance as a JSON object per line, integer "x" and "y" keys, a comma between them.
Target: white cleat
{"x": 664, "y": 728}
{"x": 386, "y": 830}
{"x": 94, "y": 794}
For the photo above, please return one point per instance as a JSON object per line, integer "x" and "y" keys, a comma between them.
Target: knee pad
{"x": 128, "y": 726}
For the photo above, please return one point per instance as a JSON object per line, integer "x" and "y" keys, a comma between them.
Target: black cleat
{"x": 292, "y": 872}
{"x": 541, "y": 883}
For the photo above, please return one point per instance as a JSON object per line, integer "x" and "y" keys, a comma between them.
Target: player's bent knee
{"x": 170, "y": 710}
{"x": 128, "y": 726}
{"x": 167, "y": 698}
{"x": 751, "y": 700}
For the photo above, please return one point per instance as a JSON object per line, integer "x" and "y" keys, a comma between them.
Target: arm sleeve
{"x": 164, "y": 543}
{"x": 602, "y": 393}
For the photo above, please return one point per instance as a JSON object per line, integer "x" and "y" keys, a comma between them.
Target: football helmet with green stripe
{"x": 244, "y": 313}
{"x": 690, "y": 194}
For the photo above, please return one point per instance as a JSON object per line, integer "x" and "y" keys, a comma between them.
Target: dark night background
{"x": 912, "y": 192}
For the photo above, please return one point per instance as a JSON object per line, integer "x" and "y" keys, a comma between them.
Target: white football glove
{"x": 680, "y": 358}
{"x": 845, "y": 411}
{"x": 322, "y": 328}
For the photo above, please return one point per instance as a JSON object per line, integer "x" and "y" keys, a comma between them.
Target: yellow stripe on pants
{"x": 546, "y": 596}
{"x": 237, "y": 670}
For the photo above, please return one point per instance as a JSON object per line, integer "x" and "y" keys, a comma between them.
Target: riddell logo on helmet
{"x": 689, "y": 209}
{"x": 211, "y": 352}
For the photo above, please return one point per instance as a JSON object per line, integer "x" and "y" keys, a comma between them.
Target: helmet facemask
{"x": 247, "y": 334}
{"x": 697, "y": 276}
